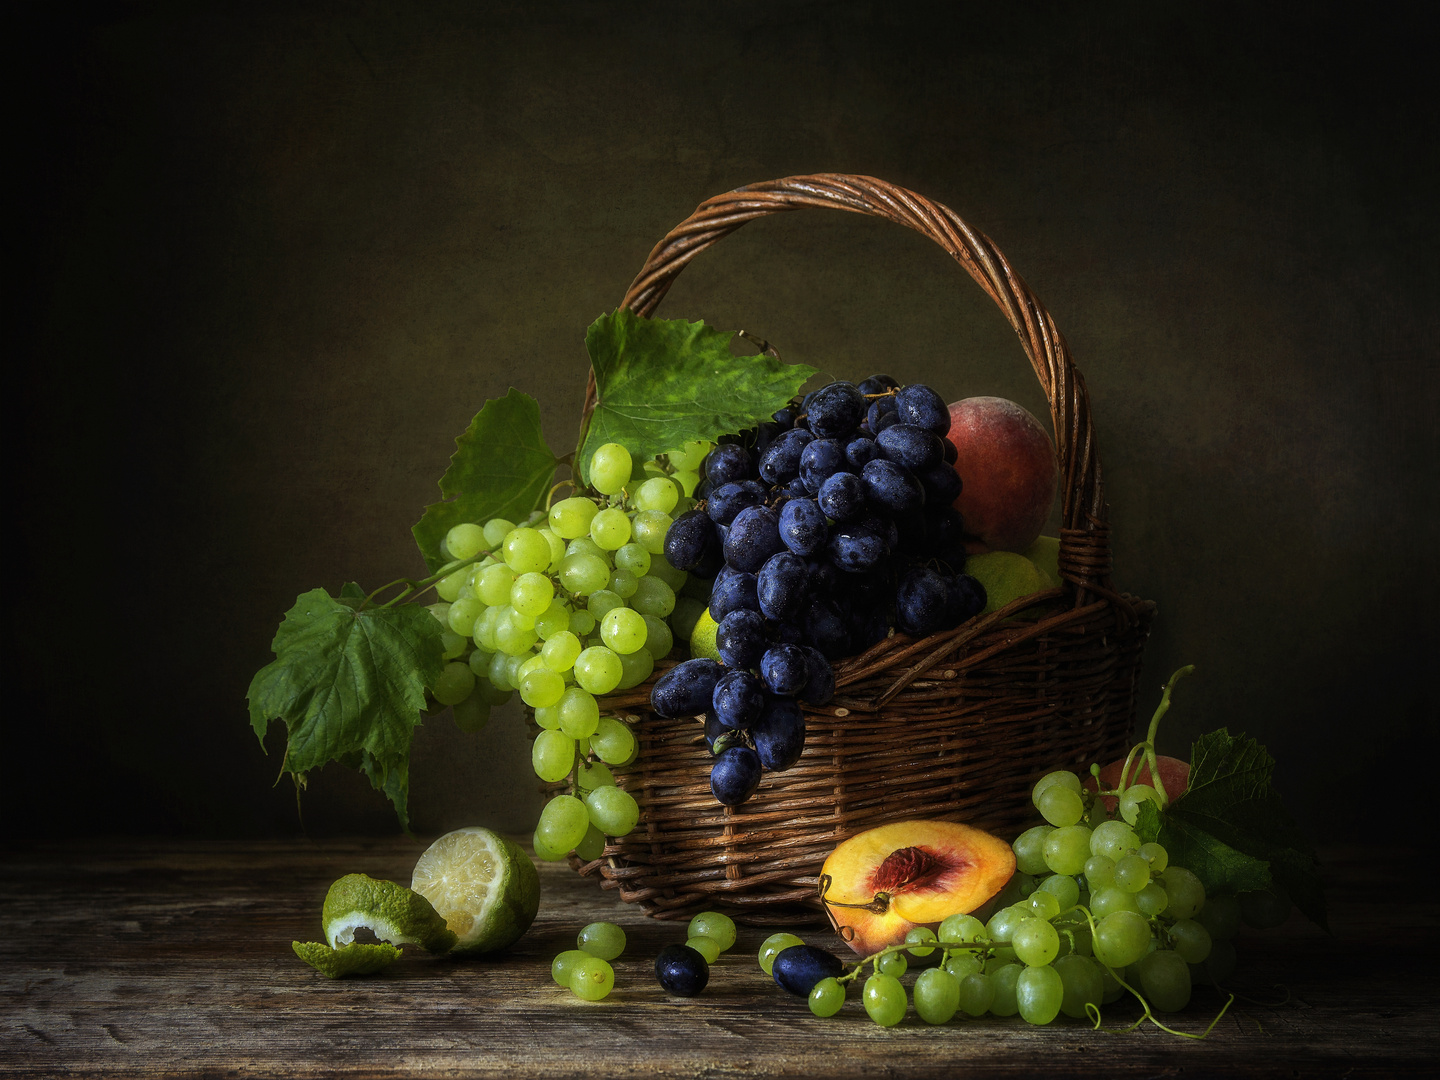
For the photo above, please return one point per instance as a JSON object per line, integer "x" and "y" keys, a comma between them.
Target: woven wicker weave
{"x": 954, "y": 725}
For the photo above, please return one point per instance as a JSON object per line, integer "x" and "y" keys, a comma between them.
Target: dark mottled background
{"x": 274, "y": 256}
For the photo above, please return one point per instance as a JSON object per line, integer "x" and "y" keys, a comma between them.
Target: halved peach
{"x": 882, "y": 883}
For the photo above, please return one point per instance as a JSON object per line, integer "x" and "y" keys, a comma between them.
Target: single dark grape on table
{"x": 798, "y": 968}
{"x": 681, "y": 970}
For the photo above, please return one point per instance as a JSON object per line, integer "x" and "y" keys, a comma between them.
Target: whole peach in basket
{"x": 1007, "y": 464}
{"x": 884, "y": 882}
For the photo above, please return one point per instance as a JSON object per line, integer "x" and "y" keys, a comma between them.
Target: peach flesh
{"x": 1007, "y": 464}
{"x": 1174, "y": 773}
{"x": 886, "y": 881}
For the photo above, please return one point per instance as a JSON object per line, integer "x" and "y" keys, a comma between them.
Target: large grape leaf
{"x": 1230, "y": 828}
{"x": 501, "y": 468}
{"x": 663, "y": 382}
{"x": 349, "y": 686}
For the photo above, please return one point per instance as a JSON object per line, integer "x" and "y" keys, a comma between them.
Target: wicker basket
{"x": 951, "y": 726}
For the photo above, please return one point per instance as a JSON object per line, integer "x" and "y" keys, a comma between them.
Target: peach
{"x": 1174, "y": 774}
{"x": 1006, "y": 462}
{"x": 884, "y": 882}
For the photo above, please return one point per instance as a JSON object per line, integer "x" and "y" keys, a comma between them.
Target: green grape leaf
{"x": 501, "y": 468}
{"x": 349, "y": 686}
{"x": 1230, "y": 828}
{"x": 663, "y": 382}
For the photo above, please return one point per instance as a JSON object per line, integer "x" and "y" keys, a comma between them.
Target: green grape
{"x": 479, "y": 662}
{"x": 519, "y": 620}
{"x": 661, "y": 569}
{"x": 612, "y": 742}
{"x": 649, "y": 531}
{"x": 441, "y": 612}
{"x": 962, "y": 962}
{"x": 592, "y": 775}
{"x": 1060, "y": 806}
{"x": 1156, "y": 856}
{"x": 634, "y": 558}
{"x": 484, "y": 635}
{"x": 583, "y": 574}
{"x": 472, "y": 714}
{"x": 451, "y": 644}
{"x": 1132, "y": 873}
{"x": 1000, "y": 956}
{"x": 1165, "y": 980}
{"x": 1191, "y": 940}
{"x": 494, "y": 584}
{"x": 560, "y": 651}
{"x": 1132, "y": 797}
{"x": 653, "y": 597}
{"x": 454, "y": 684}
{"x": 1121, "y": 938}
{"x": 610, "y": 468}
{"x": 543, "y": 849}
{"x": 583, "y": 545}
{"x": 463, "y": 613}
{"x": 553, "y": 620}
{"x": 1112, "y": 990}
{"x": 918, "y": 940}
{"x": 1081, "y": 983}
{"x": 1113, "y": 839}
{"x": 961, "y": 928}
{"x": 548, "y": 717}
{"x": 623, "y": 630}
{"x": 1064, "y": 888}
{"x": 826, "y": 996}
{"x": 1113, "y": 898}
{"x": 579, "y": 713}
{"x": 1002, "y": 982}
{"x": 592, "y": 979}
{"x": 977, "y": 994}
{"x": 1187, "y": 895}
{"x": 714, "y": 924}
{"x": 1004, "y": 922}
{"x": 613, "y": 810}
{"x": 611, "y": 529}
{"x": 541, "y": 687}
{"x": 884, "y": 1000}
{"x": 581, "y": 623}
{"x": 709, "y": 948}
{"x": 495, "y": 531}
{"x": 526, "y": 551}
{"x": 1039, "y": 992}
{"x": 564, "y": 964}
{"x": 1062, "y": 777}
{"x": 499, "y": 673}
{"x": 1152, "y": 899}
{"x": 1045, "y": 904}
{"x": 532, "y": 594}
{"x": 593, "y": 846}
{"x": 465, "y": 541}
{"x": 1220, "y": 916}
{"x": 1029, "y": 849}
{"x": 552, "y": 756}
{"x": 1035, "y": 942}
{"x": 937, "y": 995}
{"x": 557, "y": 548}
{"x": 892, "y": 964}
{"x": 570, "y": 518}
{"x": 1099, "y": 871}
{"x": 635, "y": 668}
{"x": 512, "y": 638}
{"x": 598, "y": 670}
{"x": 622, "y": 583}
{"x": 658, "y": 638}
{"x": 658, "y": 494}
{"x": 772, "y": 946}
{"x": 602, "y": 939}
{"x": 602, "y": 602}
{"x": 513, "y": 664}
{"x": 448, "y": 588}
{"x": 564, "y": 820}
{"x": 1067, "y": 849}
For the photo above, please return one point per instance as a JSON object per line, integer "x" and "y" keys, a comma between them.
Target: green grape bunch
{"x": 571, "y": 605}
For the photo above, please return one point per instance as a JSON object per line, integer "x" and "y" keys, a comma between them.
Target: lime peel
{"x": 391, "y": 912}
{"x": 355, "y": 959}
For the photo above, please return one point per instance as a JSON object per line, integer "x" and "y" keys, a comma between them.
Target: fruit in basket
{"x": 1006, "y": 577}
{"x": 884, "y": 882}
{"x": 1007, "y": 462}
{"x": 483, "y": 885}
{"x": 1174, "y": 774}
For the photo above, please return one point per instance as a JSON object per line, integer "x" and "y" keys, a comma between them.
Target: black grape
{"x": 798, "y": 968}
{"x": 911, "y": 446}
{"x": 892, "y": 487}
{"x": 803, "y": 528}
{"x": 740, "y": 639}
{"x": 735, "y": 775}
{"x": 686, "y": 689}
{"x": 739, "y": 699}
{"x": 785, "y": 669}
{"x": 920, "y": 602}
{"x": 877, "y": 384}
{"x": 781, "y": 461}
{"x": 843, "y": 497}
{"x": 737, "y": 592}
{"x": 690, "y": 539}
{"x": 919, "y": 405}
{"x": 727, "y": 464}
{"x": 729, "y": 499}
{"x": 856, "y": 549}
{"x": 835, "y": 409}
{"x": 820, "y": 460}
{"x": 681, "y": 970}
{"x": 753, "y": 537}
{"x": 779, "y": 734}
{"x": 780, "y": 585}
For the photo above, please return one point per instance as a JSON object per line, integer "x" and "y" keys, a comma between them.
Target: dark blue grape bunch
{"x": 822, "y": 528}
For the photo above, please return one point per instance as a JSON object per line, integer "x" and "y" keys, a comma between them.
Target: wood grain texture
{"x": 160, "y": 958}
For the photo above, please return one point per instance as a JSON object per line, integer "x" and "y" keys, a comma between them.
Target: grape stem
{"x": 423, "y": 585}
{"x": 948, "y": 946}
{"x": 1147, "y": 748}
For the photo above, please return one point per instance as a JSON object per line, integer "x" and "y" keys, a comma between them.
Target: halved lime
{"x": 484, "y": 886}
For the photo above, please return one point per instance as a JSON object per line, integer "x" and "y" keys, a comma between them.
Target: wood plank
{"x": 158, "y": 958}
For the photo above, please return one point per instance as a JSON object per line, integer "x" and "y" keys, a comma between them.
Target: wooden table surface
{"x": 142, "y": 957}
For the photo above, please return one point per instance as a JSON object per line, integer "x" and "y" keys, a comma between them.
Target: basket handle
{"x": 1084, "y": 537}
